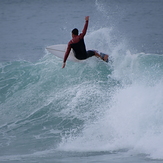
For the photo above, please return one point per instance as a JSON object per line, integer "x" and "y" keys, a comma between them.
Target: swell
{"x": 83, "y": 106}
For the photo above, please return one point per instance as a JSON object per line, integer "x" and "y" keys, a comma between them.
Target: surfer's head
{"x": 75, "y": 31}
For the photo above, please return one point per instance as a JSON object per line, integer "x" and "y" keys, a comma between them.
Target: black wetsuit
{"x": 78, "y": 46}
{"x": 79, "y": 49}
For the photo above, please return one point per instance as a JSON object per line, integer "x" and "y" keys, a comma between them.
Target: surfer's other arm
{"x": 66, "y": 55}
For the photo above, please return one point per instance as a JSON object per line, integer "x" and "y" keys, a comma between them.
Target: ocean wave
{"x": 91, "y": 106}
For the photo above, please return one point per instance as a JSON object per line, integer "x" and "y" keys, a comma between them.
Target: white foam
{"x": 131, "y": 115}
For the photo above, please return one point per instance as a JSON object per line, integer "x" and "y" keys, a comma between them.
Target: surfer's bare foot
{"x": 106, "y": 58}
{"x": 103, "y": 56}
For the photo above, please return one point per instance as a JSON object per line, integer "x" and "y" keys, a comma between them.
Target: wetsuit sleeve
{"x": 84, "y": 30}
{"x": 67, "y": 52}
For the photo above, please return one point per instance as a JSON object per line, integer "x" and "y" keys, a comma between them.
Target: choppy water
{"x": 87, "y": 112}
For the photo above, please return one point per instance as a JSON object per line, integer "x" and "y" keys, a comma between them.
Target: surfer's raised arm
{"x": 85, "y": 27}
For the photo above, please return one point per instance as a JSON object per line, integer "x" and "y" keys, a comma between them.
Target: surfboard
{"x": 59, "y": 51}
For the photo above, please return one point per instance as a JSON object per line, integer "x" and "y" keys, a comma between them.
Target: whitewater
{"x": 87, "y": 112}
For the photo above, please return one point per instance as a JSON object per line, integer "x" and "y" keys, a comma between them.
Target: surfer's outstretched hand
{"x": 86, "y": 18}
{"x": 64, "y": 64}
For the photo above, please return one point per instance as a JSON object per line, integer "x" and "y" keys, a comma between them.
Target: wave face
{"x": 87, "y": 107}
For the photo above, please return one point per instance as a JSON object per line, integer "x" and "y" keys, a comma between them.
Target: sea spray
{"x": 131, "y": 112}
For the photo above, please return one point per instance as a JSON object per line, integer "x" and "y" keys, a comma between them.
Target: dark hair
{"x": 75, "y": 31}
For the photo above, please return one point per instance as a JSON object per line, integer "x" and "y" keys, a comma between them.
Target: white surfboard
{"x": 59, "y": 51}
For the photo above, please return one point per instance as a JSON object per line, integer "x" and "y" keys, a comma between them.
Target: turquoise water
{"x": 91, "y": 108}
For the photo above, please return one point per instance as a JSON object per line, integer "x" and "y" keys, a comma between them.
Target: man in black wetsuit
{"x": 78, "y": 46}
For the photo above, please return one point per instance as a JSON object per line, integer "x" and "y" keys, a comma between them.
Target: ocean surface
{"x": 89, "y": 112}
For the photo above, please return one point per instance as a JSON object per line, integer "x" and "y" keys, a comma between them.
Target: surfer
{"x": 78, "y": 46}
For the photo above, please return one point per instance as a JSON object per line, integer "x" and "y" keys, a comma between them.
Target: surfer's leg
{"x": 98, "y": 55}
{"x": 90, "y": 53}
{"x": 102, "y": 56}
